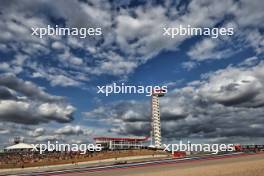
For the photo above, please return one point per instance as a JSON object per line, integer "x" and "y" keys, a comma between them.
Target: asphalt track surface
{"x": 108, "y": 168}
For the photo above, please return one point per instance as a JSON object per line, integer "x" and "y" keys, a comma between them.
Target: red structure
{"x": 178, "y": 154}
{"x": 249, "y": 148}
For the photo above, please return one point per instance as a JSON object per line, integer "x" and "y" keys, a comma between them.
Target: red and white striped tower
{"x": 155, "y": 120}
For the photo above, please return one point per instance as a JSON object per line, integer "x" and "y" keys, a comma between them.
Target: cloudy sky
{"x": 215, "y": 85}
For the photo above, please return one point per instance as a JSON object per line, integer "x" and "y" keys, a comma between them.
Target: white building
{"x": 112, "y": 143}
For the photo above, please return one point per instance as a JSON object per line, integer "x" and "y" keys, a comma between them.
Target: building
{"x": 110, "y": 143}
{"x": 155, "y": 120}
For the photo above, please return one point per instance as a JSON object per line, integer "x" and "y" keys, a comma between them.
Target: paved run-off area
{"x": 241, "y": 166}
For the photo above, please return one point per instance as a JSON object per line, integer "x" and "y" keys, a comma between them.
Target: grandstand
{"x": 111, "y": 143}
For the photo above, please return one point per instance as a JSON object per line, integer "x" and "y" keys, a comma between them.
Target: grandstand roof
{"x": 122, "y": 139}
{"x": 20, "y": 146}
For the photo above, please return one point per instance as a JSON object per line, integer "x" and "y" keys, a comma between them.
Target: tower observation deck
{"x": 155, "y": 120}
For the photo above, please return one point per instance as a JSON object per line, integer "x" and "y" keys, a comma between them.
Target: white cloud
{"x": 249, "y": 14}
{"x": 25, "y": 103}
{"x": 63, "y": 81}
{"x": 73, "y": 130}
{"x": 208, "y": 49}
{"x": 239, "y": 86}
{"x": 131, "y": 36}
{"x": 189, "y": 65}
{"x": 45, "y": 138}
{"x": 256, "y": 40}
{"x": 57, "y": 45}
{"x": 37, "y": 132}
{"x": 249, "y": 62}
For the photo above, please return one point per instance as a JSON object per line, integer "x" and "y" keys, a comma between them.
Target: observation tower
{"x": 155, "y": 120}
